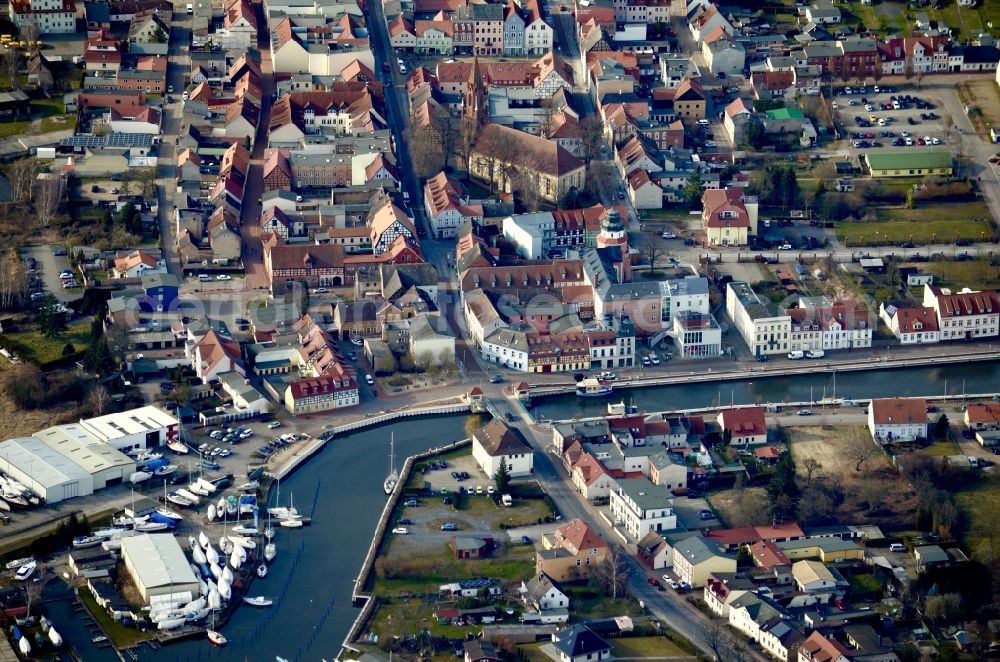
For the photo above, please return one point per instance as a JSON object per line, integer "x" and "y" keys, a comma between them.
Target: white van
{"x": 797, "y": 354}
{"x": 815, "y": 354}
{"x": 897, "y": 547}
{"x": 190, "y": 8}
{"x": 204, "y": 277}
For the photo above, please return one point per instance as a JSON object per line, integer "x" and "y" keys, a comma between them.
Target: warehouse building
{"x": 46, "y": 471}
{"x": 158, "y": 566}
{"x": 142, "y": 428}
{"x": 911, "y": 163}
{"x": 106, "y": 466}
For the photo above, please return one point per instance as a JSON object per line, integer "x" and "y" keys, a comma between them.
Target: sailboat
{"x": 262, "y": 570}
{"x": 270, "y": 551}
{"x": 393, "y": 478}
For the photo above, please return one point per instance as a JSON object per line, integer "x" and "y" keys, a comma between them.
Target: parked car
{"x": 273, "y": 424}
{"x": 449, "y": 526}
{"x": 525, "y": 540}
{"x": 401, "y": 530}
{"x": 805, "y": 412}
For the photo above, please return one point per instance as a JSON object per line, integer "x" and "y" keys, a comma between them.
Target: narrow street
{"x": 178, "y": 63}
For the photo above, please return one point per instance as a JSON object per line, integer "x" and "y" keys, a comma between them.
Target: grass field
{"x": 919, "y": 232}
{"x": 986, "y": 98}
{"x": 975, "y": 274}
{"x": 981, "y": 504}
{"x": 648, "y": 647}
{"x": 46, "y": 110}
{"x": 827, "y": 446}
{"x": 35, "y": 347}
{"x": 942, "y": 449}
{"x": 124, "y": 637}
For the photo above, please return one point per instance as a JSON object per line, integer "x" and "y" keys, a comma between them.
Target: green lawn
{"x": 124, "y": 637}
{"x": 444, "y": 568}
{"x": 959, "y": 211}
{"x": 44, "y": 109}
{"x": 880, "y": 233}
{"x": 648, "y": 647}
{"x": 975, "y": 274}
{"x": 942, "y": 449}
{"x": 33, "y": 346}
{"x": 586, "y": 603}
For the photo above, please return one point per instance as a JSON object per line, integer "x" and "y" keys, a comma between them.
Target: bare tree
{"x": 614, "y": 572}
{"x": 33, "y": 590}
{"x": 599, "y": 179}
{"x": 426, "y": 152}
{"x": 22, "y": 174}
{"x": 47, "y": 199}
{"x": 652, "y": 249}
{"x": 29, "y": 32}
{"x": 527, "y": 183}
{"x": 591, "y": 130}
{"x": 546, "y": 123}
{"x": 468, "y": 136}
{"x": 860, "y": 450}
{"x": 98, "y": 399}
{"x": 13, "y": 280}
{"x": 425, "y": 360}
{"x": 809, "y": 466}
{"x": 446, "y": 126}
{"x": 714, "y": 633}
{"x": 146, "y": 179}
{"x": 11, "y": 62}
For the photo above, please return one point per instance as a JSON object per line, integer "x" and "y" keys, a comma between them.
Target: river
{"x": 319, "y": 563}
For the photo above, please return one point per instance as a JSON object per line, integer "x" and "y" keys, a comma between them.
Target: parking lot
{"x": 688, "y": 514}
{"x": 891, "y": 119}
{"x": 45, "y": 277}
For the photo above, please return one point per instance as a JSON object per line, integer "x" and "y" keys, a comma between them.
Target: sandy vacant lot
{"x": 833, "y": 448}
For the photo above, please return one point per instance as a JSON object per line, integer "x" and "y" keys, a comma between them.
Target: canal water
{"x": 938, "y": 380}
{"x": 313, "y": 574}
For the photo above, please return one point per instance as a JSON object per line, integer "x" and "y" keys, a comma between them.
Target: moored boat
{"x": 17, "y": 563}
{"x": 216, "y": 638}
{"x": 258, "y": 601}
{"x": 393, "y": 478}
{"x": 83, "y": 542}
{"x": 262, "y": 570}
{"x": 26, "y": 571}
{"x": 593, "y": 388}
{"x": 291, "y": 523}
{"x": 270, "y": 551}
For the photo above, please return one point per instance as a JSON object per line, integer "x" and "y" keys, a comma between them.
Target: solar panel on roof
{"x": 129, "y": 139}
{"x": 83, "y": 141}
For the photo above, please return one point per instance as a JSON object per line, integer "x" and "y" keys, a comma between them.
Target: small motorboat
{"x": 26, "y": 571}
{"x": 291, "y": 523}
{"x": 17, "y": 563}
{"x": 203, "y": 539}
{"x": 211, "y": 512}
{"x": 269, "y": 532}
{"x": 99, "y": 639}
{"x": 262, "y": 570}
{"x": 83, "y": 542}
{"x": 259, "y": 601}
{"x": 270, "y": 551}
{"x": 55, "y": 637}
{"x": 249, "y": 486}
{"x": 216, "y": 638}
{"x": 165, "y": 470}
{"x": 245, "y": 530}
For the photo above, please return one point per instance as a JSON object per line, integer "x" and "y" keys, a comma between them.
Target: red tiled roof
{"x": 908, "y": 318}
{"x": 743, "y": 421}
{"x": 899, "y": 411}
{"x": 983, "y": 413}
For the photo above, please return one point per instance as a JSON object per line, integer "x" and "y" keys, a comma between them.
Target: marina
{"x": 345, "y": 475}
